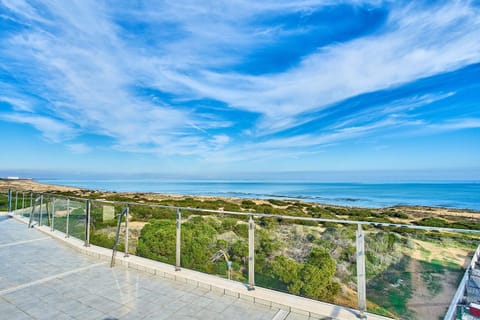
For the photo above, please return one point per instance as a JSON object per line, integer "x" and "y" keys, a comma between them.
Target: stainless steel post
{"x": 31, "y": 198}
{"x": 23, "y": 200}
{"x": 179, "y": 240}
{"x": 126, "y": 230}
{"x": 9, "y": 200}
{"x": 251, "y": 254}
{"x": 87, "y": 223}
{"x": 361, "y": 281}
{"x": 32, "y": 215}
{"x": 53, "y": 215}
{"x": 68, "y": 218}
{"x": 41, "y": 210}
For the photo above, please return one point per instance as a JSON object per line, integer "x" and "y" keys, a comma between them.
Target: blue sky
{"x": 212, "y": 89}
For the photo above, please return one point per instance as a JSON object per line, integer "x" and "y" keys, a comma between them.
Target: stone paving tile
{"x": 98, "y": 292}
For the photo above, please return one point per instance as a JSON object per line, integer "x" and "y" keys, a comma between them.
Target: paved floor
{"x": 41, "y": 278}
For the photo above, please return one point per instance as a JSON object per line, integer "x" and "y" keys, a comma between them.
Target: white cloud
{"x": 454, "y": 124}
{"x": 53, "y": 130}
{"x": 78, "y": 148}
{"x": 22, "y": 8}
{"x": 18, "y": 104}
{"x": 399, "y": 108}
{"x": 220, "y": 140}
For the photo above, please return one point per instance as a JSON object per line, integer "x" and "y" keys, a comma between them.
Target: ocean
{"x": 461, "y": 195}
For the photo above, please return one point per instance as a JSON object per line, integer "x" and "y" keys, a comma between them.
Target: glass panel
{"x": 21, "y": 203}
{"x": 306, "y": 259}
{"x": 3, "y": 201}
{"x": 76, "y": 221}
{"x": 413, "y": 274}
{"x": 198, "y": 241}
{"x": 60, "y": 221}
{"x": 210, "y": 242}
{"x": 47, "y": 210}
{"x": 226, "y": 246}
{"x": 34, "y": 212}
{"x": 28, "y": 201}
{"x": 103, "y": 224}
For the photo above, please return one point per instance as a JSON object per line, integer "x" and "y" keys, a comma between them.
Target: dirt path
{"x": 423, "y": 303}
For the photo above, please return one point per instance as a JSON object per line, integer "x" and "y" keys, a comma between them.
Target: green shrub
{"x": 158, "y": 241}
{"x": 313, "y": 279}
{"x": 228, "y": 224}
{"x": 241, "y": 230}
{"x": 105, "y": 241}
{"x": 248, "y": 204}
{"x": 433, "y": 222}
{"x": 279, "y": 203}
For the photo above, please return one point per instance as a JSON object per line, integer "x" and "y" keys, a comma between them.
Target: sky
{"x": 240, "y": 88}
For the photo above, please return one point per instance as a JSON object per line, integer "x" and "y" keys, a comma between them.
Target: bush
{"x": 396, "y": 214}
{"x": 228, "y": 224}
{"x": 313, "y": 279}
{"x": 158, "y": 241}
{"x": 279, "y": 203}
{"x": 433, "y": 222}
{"x": 239, "y": 251}
{"x": 105, "y": 241}
{"x": 144, "y": 213}
{"x": 241, "y": 230}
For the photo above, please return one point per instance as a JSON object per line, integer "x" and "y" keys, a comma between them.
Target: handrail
{"x": 117, "y": 234}
{"x": 283, "y": 217}
{"x": 461, "y": 287}
{"x": 32, "y": 213}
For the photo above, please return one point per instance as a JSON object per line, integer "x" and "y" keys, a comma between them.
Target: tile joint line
{"x": 56, "y": 276}
{"x": 22, "y": 242}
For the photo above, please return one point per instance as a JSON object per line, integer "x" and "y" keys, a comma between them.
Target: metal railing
{"x": 70, "y": 215}
{"x": 459, "y": 294}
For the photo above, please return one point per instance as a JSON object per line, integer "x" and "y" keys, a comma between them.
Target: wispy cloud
{"x": 79, "y": 148}
{"x": 18, "y": 104}
{"x": 53, "y": 130}
{"x": 454, "y": 124}
{"x": 88, "y": 60}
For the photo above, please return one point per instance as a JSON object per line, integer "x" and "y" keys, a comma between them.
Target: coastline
{"x": 453, "y": 195}
{"x": 27, "y": 185}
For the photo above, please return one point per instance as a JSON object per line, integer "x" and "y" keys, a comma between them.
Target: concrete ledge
{"x": 266, "y": 297}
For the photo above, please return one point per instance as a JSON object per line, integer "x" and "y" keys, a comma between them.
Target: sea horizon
{"x": 455, "y": 194}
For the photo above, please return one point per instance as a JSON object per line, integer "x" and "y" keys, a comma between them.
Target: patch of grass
{"x": 439, "y": 266}
{"x": 431, "y": 274}
{"x": 392, "y": 289}
{"x": 425, "y": 253}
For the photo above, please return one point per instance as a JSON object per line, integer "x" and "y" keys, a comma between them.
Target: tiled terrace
{"x": 43, "y": 277}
